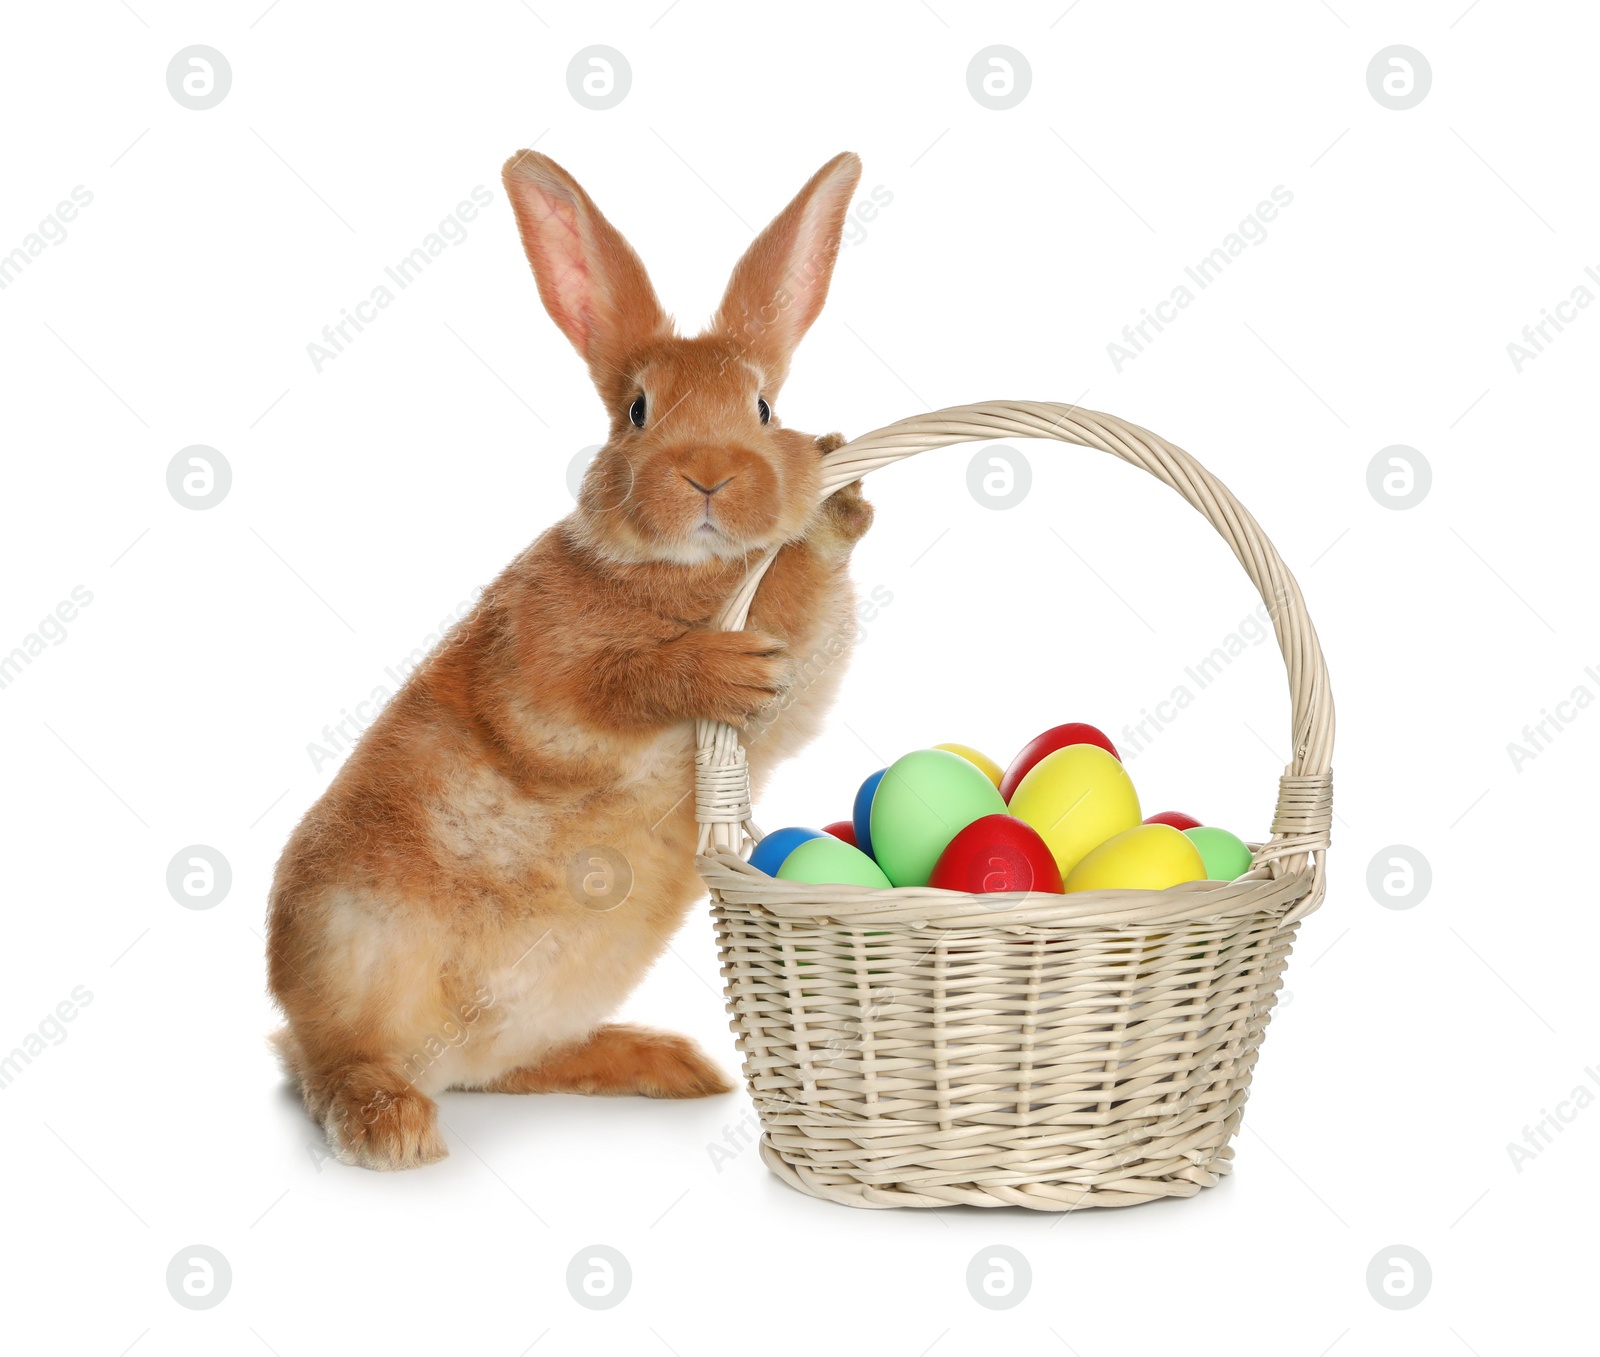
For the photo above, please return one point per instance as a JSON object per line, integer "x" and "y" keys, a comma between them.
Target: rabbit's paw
{"x": 847, "y": 513}
{"x": 665, "y": 1065}
{"x": 377, "y": 1121}
{"x": 738, "y": 674}
{"x": 619, "y": 1059}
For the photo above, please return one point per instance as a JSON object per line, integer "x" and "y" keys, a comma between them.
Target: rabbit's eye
{"x": 636, "y": 412}
{"x": 763, "y": 409}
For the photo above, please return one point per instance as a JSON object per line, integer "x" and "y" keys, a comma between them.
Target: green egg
{"x": 1226, "y": 857}
{"x": 831, "y": 862}
{"x": 924, "y": 801}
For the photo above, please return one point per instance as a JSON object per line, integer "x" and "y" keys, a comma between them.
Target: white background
{"x": 371, "y": 498}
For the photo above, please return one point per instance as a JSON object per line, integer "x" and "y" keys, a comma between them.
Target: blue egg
{"x": 861, "y": 813}
{"x": 770, "y": 853}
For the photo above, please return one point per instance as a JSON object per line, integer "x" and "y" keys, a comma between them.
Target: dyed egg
{"x": 861, "y": 812}
{"x": 827, "y": 861}
{"x": 842, "y": 829}
{"x": 1225, "y": 855}
{"x": 1057, "y": 737}
{"x": 996, "y": 853}
{"x": 924, "y": 800}
{"x": 1176, "y": 818}
{"x": 769, "y": 854}
{"x": 1144, "y": 858}
{"x": 991, "y": 769}
{"x": 1077, "y": 798}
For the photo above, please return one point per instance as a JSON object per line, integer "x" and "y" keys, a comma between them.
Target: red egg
{"x": 1057, "y": 737}
{"x": 996, "y": 853}
{"x": 842, "y": 829}
{"x": 1176, "y": 818}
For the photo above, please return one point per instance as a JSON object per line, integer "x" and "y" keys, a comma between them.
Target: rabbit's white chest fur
{"x": 559, "y": 961}
{"x": 562, "y": 961}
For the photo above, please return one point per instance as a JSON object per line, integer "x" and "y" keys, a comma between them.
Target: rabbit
{"x": 432, "y": 920}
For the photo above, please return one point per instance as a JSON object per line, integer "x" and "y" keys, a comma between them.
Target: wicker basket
{"x": 918, "y": 1047}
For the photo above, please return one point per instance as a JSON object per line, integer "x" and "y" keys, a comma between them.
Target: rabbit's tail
{"x": 288, "y": 1051}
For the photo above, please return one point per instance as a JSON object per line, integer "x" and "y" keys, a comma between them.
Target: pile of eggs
{"x": 1064, "y": 817}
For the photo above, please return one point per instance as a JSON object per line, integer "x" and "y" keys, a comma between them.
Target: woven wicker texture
{"x": 917, "y": 1047}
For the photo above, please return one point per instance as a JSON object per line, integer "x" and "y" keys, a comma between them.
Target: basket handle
{"x": 1305, "y": 792}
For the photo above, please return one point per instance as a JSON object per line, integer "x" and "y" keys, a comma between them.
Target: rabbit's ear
{"x": 779, "y": 286}
{"x": 590, "y": 280}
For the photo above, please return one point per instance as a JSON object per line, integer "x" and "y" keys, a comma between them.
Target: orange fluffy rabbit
{"x": 423, "y": 931}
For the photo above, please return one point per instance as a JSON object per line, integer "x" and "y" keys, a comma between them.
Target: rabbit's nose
{"x": 708, "y": 489}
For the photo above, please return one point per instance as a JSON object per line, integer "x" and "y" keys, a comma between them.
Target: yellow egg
{"x": 990, "y": 768}
{"x": 1077, "y": 798}
{"x": 1144, "y": 858}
